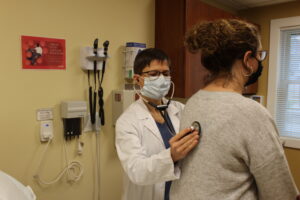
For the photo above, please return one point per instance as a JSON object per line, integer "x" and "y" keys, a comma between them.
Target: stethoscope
{"x": 163, "y": 111}
{"x": 162, "y": 108}
{"x": 195, "y": 126}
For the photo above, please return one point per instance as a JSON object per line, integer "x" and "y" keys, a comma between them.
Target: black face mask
{"x": 254, "y": 77}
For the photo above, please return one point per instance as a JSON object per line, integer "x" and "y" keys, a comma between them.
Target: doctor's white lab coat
{"x": 141, "y": 150}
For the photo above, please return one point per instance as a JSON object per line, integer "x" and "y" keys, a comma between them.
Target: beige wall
{"x": 263, "y": 16}
{"x": 79, "y": 22}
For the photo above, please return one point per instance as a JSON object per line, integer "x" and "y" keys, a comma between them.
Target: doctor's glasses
{"x": 154, "y": 74}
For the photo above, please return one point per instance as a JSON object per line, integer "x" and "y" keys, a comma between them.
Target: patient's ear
{"x": 247, "y": 58}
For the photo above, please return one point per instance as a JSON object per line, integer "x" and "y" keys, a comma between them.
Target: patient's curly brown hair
{"x": 221, "y": 42}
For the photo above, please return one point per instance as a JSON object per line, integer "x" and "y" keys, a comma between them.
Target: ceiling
{"x": 245, "y": 4}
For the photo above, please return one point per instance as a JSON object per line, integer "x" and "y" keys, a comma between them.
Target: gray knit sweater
{"x": 239, "y": 156}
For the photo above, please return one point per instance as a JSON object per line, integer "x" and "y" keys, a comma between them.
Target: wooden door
{"x": 197, "y": 11}
{"x": 169, "y": 36}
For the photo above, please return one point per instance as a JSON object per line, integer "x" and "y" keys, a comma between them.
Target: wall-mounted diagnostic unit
{"x": 93, "y": 60}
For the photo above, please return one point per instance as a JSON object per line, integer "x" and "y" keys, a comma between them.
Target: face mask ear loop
{"x": 139, "y": 94}
{"x": 173, "y": 89}
{"x": 251, "y": 69}
{"x": 134, "y": 88}
{"x": 246, "y": 66}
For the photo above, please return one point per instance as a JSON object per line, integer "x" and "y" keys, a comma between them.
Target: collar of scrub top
{"x": 163, "y": 111}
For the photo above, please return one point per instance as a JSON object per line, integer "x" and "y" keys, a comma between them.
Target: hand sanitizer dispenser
{"x": 72, "y": 113}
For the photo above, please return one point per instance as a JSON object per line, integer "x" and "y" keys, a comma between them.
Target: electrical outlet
{"x": 46, "y": 130}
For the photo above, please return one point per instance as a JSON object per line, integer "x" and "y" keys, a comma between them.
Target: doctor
{"x": 146, "y": 141}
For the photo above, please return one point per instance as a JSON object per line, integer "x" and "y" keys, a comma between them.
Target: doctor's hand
{"x": 182, "y": 143}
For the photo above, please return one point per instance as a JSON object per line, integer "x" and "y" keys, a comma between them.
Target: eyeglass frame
{"x": 158, "y": 73}
{"x": 264, "y": 55}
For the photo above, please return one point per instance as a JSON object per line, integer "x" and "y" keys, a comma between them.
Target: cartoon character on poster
{"x": 43, "y": 53}
{"x": 34, "y": 53}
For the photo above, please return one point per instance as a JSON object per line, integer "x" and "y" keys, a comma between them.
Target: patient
{"x": 239, "y": 156}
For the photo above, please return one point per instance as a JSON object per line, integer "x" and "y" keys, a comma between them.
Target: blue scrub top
{"x": 166, "y": 136}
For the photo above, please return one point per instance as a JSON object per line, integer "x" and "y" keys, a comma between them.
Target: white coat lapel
{"x": 148, "y": 121}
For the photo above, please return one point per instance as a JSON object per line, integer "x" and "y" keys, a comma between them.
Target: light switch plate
{"x": 44, "y": 114}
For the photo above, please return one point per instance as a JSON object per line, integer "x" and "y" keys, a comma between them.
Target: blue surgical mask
{"x": 156, "y": 89}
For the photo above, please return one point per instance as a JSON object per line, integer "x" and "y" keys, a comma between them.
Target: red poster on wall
{"x": 43, "y": 53}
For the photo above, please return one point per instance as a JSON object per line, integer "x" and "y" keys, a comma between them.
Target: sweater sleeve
{"x": 274, "y": 180}
{"x": 267, "y": 161}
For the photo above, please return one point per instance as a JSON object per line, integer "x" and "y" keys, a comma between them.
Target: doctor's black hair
{"x": 146, "y": 56}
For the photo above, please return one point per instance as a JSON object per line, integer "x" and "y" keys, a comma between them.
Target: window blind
{"x": 288, "y": 85}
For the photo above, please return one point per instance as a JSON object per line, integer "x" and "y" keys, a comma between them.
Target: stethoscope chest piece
{"x": 196, "y": 126}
